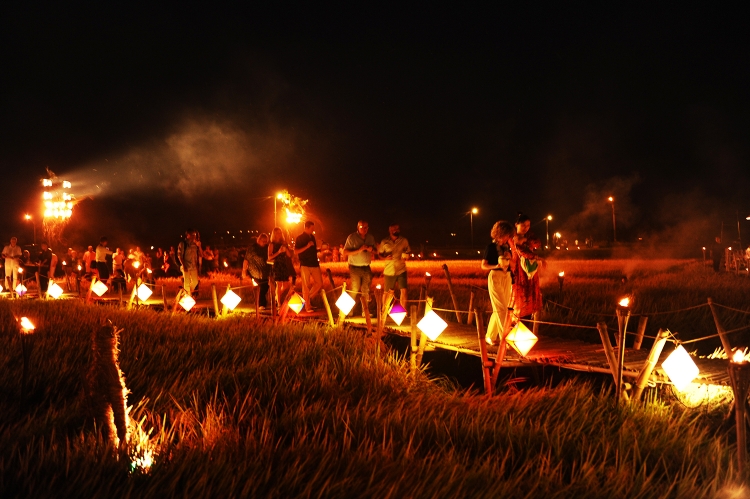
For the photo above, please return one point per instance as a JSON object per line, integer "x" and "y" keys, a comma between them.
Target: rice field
{"x": 243, "y": 408}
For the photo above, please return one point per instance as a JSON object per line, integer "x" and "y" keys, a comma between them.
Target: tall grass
{"x": 239, "y": 408}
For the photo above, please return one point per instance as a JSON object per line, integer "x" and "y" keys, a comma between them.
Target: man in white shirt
{"x": 12, "y": 254}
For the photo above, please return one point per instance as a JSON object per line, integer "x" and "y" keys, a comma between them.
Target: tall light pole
{"x": 549, "y": 217}
{"x": 33, "y": 222}
{"x": 473, "y": 212}
{"x": 614, "y": 221}
{"x": 276, "y": 220}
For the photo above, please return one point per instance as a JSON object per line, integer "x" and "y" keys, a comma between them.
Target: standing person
{"x": 101, "y": 259}
{"x": 89, "y": 258}
{"x": 44, "y": 262}
{"x": 395, "y": 249}
{"x": 358, "y": 251}
{"x": 208, "y": 260}
{"x": 118, "y": 261}
{"x": 256, "y": 266}
{"x": 306, "y": 248}
{"x": 12, "y": 254}
{"x": 497, "y": 258}
{"x": 283, "y": 269}
{"x": 527, "y": 294}
{"x": 187, "y": 256}
{"x": 717, "y": 251}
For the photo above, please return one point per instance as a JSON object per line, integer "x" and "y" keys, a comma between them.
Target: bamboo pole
{"x": 366, "y": 310}
{"x": 39, "y": 286}
{"x": 413, "y": 350}
{"x": 720, "y": 329}
{"x": 163, "y": 297}
{"x": 387, "y": 300}
{"x": 379, "y": 306}
{"x": 450, "y": 290}
{"x": 324, "y": 295}
{"x": 470, "y": 317}
{"x": 486, "y": 364}
{"x": 621, "y": 362}
{"x": 739, "y": 376}
{"x": 648, "y": 367}
{"x": 88, "y": 295}
{"x": 180, "y": 293}
{"x": 608, "y": 351}
{"x": 256, "y": 295}
{"x": 133, "y": 295}
{"x": 224, "y": 308}
{"x": 535, "y": 324}
{"x": 272, "y": 292}
{"x": 642, "y": 321}
{"x": 421, "y": 298}
{"x": 215, "y": 300}
{"x": 330, "y": 279}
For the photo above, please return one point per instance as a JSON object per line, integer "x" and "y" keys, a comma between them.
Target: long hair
{"x": 280, "y": 239}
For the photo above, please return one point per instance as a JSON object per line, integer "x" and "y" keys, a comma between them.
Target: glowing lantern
{"x": 255, "y": 284}
{"x": 738, "y": 357}
{"x": 292, "y": 218}
{"x": 625, "y": 302}
{"x": 231, "y": 300}
{"x": 99, "y": 288}
{"x": 680, "y": 368}
{"x": 54, "y": 290}
{"x": 296, "y": 303}
{"x": 345, "y": 303}
{"x": 432, "y": 325}
{"x": 20, "y": 270}
{"x": 26, "y": 326}
{"x": 66, "y": 184}
{"x": 21, "y": 289}
{"x": 377, "y": 287}
{"x": 144, "y": 292}
{"x": 187, "y": 302}
{"x": 1, "y": 288}
{"x": 561, "y": 274}
{"x": 136, "y": 264}
{"x": 521, "y": 338}
{"x": 47, "y": 182}
{"x": 397, "y": 313}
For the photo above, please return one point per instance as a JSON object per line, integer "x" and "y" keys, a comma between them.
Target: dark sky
{"x": 175, "y": 115}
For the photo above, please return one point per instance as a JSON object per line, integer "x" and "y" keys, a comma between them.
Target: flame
{"x": 26, "y": 325}
{"x": 377, "y": 287}
{"x": 427, "y": 274}
{"x": 226, "y": 264}
{"x": 738, "y": 357}
{"x": 136, "y": 264}
{"x": 561, "y": 274}
{"x": 625, "y": 302}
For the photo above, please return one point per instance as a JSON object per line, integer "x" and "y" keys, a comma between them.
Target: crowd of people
{"x": 510, "y": 258}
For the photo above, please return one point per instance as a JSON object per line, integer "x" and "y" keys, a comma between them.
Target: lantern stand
{"x": 330, "y": 278}
{"x": 413, "y": 349}
{"x": 450, "y": 290}
{"x": 648, "y": 367}
{"x": 503, "y": 347}
{"x": 739, "y": 376}
{"x": 486, "y": 363}
{"x": 39, "y": 286}
{"x": 622, "y": 322}
{"x": 379, "y": 327}
{"x": 470, "y": 316}
{"x": 608, "y": 351}
{"x": 720, "y": 329}
{"x": 342, "y": 315}
{"x": 560, "y": 281}
{"x": 423, "y": 336}
{"x": 224, "y": 308}
{"x": 26, "y": 329}
{"x": 324, "y": 295}
{"x": 215, "y": 300}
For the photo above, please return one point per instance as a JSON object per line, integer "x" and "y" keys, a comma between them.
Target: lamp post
{"x": 275, "y": 219}
{"x": 549, "y": 217}
{"x": 614, "y": 223}
{"x": 33, "y": 222}
{"x": 473, "y": 212}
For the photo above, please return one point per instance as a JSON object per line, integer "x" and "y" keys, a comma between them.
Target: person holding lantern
{"x": 497, "y": 259}
{"x": 527, "y": 294}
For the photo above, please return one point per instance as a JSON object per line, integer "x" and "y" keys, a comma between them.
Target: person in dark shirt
{"x": 256, "y": 266}
{"x": 306, "y": 249}
{"x": 45, "y": 259}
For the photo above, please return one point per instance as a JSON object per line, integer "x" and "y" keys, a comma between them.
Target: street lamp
{"x": 473, "y": 212}
{"x": 33, "y": 222}
{"x": 275, "y": 220}
{"x": 549, "y": 217}
{"x": 614, "y": 222}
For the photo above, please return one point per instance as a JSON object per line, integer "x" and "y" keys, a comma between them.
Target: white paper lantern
{"x": 521, "y": 339}
{"x": 187, "y": 302}
{"x": 432, "y": 325}
{"x": 397, "y": 313}
{"x": 99, "y": 288}
{"x": 231, "y": 300}
{"x": 680, "y": 368}
{"x": 296, "y": 303}
{"x": 54, "y": 290}
{"x": 345, "y": 303}
{"x": 144, "y": 292}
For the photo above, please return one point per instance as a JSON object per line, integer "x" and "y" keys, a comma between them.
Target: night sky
{"x": 172, "y": 116}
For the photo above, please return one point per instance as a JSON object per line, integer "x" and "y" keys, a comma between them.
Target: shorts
{"x": 391, "y": 280}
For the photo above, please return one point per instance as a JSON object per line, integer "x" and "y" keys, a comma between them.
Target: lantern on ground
{"x": 345, "y": 303}
{"x": 54, "y": 290}
{"x": 296, "y": 302}
{"x": 432, "y": 325}
{"x": 680, "y": 368}
{"x": 144, "y": 292}
{"x": 230, "y": 299}
{"x": 521, "y": 339}
{"x": 187, "y": 302}
{"x": 21, "y": 289}
{"x": 27, "y": 327}
{"x": 99, "y": 288}
{"x": 397, "y": 313}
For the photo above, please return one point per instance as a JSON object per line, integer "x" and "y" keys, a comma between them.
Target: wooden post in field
{"x": 648, "y": 367}
{"x": 133, "y": 294}
{"x": 486, "y": 364}
{"x": 366, "y": 310}
{"x": 342, "y": 315}
{"x": 423, "y": 336}
{"x": 324, "y": 295}
{"x": 386, "y": 307}
{"x": 720, "y": 329}
{"x": 503, "y": 347}
{"x": 608, "y": 351}
{"x": 621, "y": 361}
{"x": 256, "y": 295}
{"x": 215, "y": 300}
{"x": 470, "y": 318}
{"x": 78, "y": 285}
{"x": 739, "y": 376}
{"x": 535, "y": 324}
{"x": 163, "y": 297}
{"x": 450, "y": 290}
{"x": 379, "y": 306}
{"x": 39, "y": 286}
{"x": 88, "y": 295}
{"x": 224, "y": 308}
{"x": 413, "y": 351}
{"x": 642, "y": 321}
{"x": 330, "y": 279}
{"x": 272, "y": 292}
{"x": 421, "y": 298}
{"x": 180, "y": 292}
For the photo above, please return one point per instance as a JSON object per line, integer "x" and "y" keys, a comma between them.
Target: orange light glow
{"x": 561, "y": 274}
{"x": 625, "y": 302}
{"x": 738, "y": 357}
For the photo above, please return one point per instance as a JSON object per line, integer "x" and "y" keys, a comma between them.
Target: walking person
{"x": 256, "y": 266}
{"x": 527, "y": 294}
{"x": 283, "y": 269}
{"x": 12, "y": 254}
{"x": 358, "y": 251}
{"x": 101, "y": 259}
{"x": 497, "y": 258}
{"x": 395, "y": 250}
{"x": 306, "y": 249}
{"x": 187, "y": 256}
{"x": 44, "y": 262}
